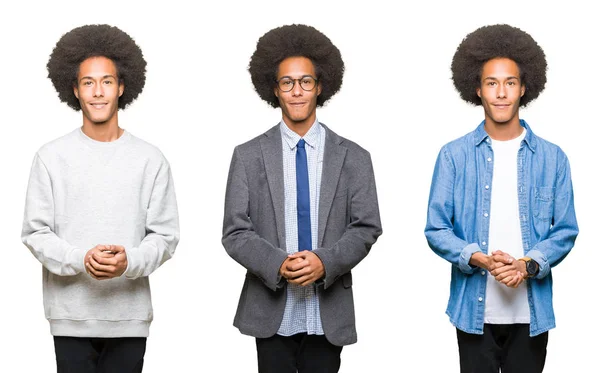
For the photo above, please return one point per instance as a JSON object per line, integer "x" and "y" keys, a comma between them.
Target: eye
{"x": 491, "y": 84}
{"x": 87, "y": 83}
{"x": 108, "y": 82}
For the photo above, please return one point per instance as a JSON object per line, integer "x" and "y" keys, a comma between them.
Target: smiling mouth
{"x": 98, "y": 105}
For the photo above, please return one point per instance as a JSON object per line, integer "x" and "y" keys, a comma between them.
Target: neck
{"x": 104, "y": 132}
{"x": 503, "y": 131}
{"x": 301, "y": 127}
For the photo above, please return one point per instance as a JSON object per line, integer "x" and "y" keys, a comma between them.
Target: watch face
{"x": 531, "y": 268}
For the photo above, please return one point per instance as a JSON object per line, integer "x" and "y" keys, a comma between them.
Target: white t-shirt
{"x": 504, "y": 305}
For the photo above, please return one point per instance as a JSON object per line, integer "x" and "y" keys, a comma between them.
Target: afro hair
{"x": 498, "y": 41}
{"x": 87, "y": 41}
{"x": 296, "y": 41}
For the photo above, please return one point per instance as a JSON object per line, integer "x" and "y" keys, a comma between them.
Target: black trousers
{"x": 508, "y": 347}
{"x": 99, "y": 355}
{"x": 300, "y": 353}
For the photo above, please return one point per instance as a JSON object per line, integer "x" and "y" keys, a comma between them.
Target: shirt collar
{"x": 481, "y": 135}
{"x": 291, "y": 138}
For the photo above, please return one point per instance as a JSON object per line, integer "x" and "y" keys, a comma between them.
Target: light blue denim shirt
{"x": 458, "y": 221}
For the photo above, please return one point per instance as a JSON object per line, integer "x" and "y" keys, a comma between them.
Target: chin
{"x": 298, "y": 119}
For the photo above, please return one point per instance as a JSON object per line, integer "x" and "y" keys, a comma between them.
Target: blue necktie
{"x": 303, "y": 198}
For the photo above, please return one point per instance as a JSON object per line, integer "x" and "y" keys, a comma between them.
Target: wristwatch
{"x": 532, "y": 267}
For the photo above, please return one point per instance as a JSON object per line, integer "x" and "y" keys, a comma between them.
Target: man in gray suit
{"x": 300, "y": 210}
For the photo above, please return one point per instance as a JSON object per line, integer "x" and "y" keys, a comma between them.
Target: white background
{"x": 397, "y": 101}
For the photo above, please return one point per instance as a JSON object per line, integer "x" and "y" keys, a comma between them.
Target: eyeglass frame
{"x": 297, "y": 80}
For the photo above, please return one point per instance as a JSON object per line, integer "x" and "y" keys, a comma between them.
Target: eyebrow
{"x": 507, "y": 78}
{"x": 104, "y": 77}
{"x": 303, "y": 76}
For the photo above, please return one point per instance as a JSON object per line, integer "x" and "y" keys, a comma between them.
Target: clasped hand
{"x": 302, "y": 268}
{"x": 104, "y": 262}
{"x": 506, "y": 269}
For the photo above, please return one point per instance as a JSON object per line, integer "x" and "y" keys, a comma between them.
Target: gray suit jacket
{"x": 254, "y": 231}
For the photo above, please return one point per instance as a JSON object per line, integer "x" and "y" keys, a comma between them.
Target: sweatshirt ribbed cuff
{"x": 133, "y": 264}
{"x": 76, "y": 260}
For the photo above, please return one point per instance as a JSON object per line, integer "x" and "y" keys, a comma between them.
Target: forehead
{"x": 97, "y": 67}
{"x": 500, "y": 68}
{"x": 296, "y": 67}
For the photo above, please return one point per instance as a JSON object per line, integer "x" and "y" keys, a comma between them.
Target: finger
{"x": 99, "y": 263}
{"x": 505, "y": 280}
{"x": 521, "y": 278}
{"x": 117, "y": 248}
{"x": 104, "y": 254}
{"x": 290, "y": 261}
{"x": 507, "y": 277}
{"x": 502, "y": 276}
{"x": 298, "y": 265}
{"x": 308, "y": 282}
{"x": 121, "y": 259}
{"x": 302, "y": 280}
{"x": 299, "y": 273}
{"x": 506, "y": 259}
{"x": 101, "y": 267}
{"x": 105, "y": 259}
{"x": 303, "y": 254}
{"x": 97, "y": 272}
{"x": 502, "y": 269}
{"x": 514, "y": 282}
{"x": 98, "y": 278}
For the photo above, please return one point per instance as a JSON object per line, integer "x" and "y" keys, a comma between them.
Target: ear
{"x": 522, "y": 90}
{"x": 276, "y": 91}
{"x": 121, "y": 88}
{"x": 319, "y": 88}
{"x": 479, "y": 92}
{"x": 76, "y": 91}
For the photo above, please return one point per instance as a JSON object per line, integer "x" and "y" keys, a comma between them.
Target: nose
{"x": 297, "y": 90}
{"x": 501, "y": 93}
{"x": 98, "y": 90}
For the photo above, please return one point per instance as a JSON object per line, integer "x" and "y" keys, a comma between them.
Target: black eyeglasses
{"x": 307, "y": 83}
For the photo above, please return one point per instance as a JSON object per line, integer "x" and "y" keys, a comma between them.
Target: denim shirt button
{"x": 487, "y": 187}
{"x": 483, "y": 273}
{"x": 484, "y": 243}
{"x": 485, "y": 214}
{"x": 480, "y": 299}
{"x": 489, "y": 159}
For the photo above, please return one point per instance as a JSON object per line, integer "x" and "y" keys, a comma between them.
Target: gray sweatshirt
{"x": 83, "y": 193}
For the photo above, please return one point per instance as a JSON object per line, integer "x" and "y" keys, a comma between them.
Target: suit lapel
{"x": 273, "y": 159}
{"x": 333, "y": 159}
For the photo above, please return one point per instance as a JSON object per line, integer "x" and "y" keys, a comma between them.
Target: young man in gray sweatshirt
{"x": 101, "y": 213}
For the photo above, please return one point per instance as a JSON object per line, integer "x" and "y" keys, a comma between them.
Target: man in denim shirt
{"x": 502, "y": 236}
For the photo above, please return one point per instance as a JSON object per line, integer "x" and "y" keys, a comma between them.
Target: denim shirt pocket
{"x": 543, "y": 207}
